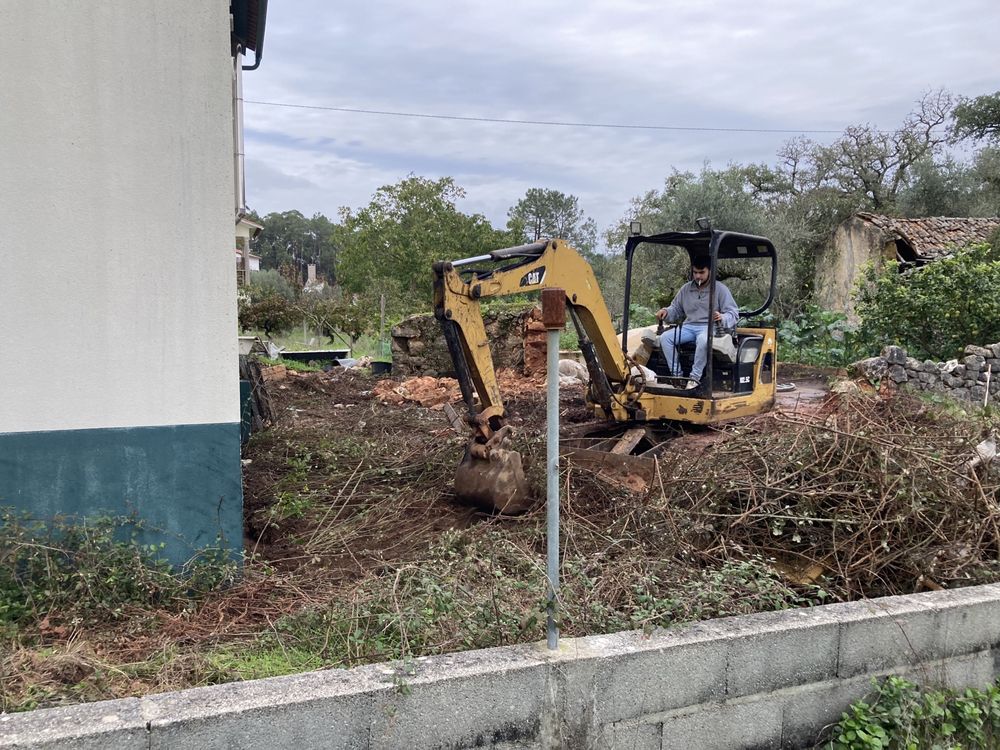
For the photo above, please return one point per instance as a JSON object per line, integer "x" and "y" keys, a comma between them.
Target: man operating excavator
{"x": 689, "y": 308}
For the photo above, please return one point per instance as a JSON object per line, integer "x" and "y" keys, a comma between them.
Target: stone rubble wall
{"x": 965, "y": 379}
{"x": 419, "y": 348}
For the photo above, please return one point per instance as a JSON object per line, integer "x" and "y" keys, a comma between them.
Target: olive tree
{"x": 390, "y": 245}
{"x": 978, "y": 118}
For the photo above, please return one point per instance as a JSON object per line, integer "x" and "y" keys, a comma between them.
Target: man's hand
{"x": 717, "y": 316}
{"x": 661, "y": 314}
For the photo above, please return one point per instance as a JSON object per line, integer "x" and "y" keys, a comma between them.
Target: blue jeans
{"x": 685, "y": 334}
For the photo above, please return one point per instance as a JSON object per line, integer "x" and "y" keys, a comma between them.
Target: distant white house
{"x": 246, "y": 261}
{"x": 120, "y": 116}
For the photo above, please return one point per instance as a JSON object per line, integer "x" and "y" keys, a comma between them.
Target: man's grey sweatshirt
{"x": 690, "y": 304}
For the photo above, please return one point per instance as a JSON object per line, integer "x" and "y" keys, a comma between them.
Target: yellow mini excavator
{"x": 627, "y": 398}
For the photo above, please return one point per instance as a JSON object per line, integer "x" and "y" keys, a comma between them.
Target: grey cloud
{"x": 722, "y": 63}
{"x": 275, "y": 179}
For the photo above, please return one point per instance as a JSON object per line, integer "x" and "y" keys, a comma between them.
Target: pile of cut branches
{"x": 875, "y": 497}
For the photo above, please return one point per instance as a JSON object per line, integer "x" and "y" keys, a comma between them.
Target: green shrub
{"x": 568, "y": 339}
{"x": 292, "y": 364}
{"x": 261, "y": 284}
{"x": 339, "y": 318}
{"x": 902, "y": 716}
{"x": 639, "y": 316}
{"x": 819, "y": 337}
{"x": 272, "y": 314}
{"x": 86, "y": 571}
{"x": 933, "y": 311}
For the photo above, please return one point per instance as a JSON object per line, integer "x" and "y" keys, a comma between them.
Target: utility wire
{"x": 556, "y": 123}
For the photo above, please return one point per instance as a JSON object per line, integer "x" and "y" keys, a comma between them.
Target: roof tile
{"x": 936, "y": 236}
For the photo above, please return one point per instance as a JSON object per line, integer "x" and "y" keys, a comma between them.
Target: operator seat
{"x": 734, "y": 360}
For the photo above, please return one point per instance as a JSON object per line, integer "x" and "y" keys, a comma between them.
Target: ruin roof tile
{"x": 936, "y": 236}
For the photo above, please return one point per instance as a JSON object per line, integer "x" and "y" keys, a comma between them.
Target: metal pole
{"x": 554, "y": 318}
{"x": 552, "y": 491}
{"x": 381, "y": 326}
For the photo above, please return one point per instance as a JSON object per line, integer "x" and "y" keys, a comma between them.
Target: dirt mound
{"x": 427, "y": 391}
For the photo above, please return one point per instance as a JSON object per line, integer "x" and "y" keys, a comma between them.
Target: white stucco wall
{"x": 117, "y": 281}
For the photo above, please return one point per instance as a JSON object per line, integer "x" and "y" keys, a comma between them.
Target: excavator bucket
{"x": 494, "y": 483}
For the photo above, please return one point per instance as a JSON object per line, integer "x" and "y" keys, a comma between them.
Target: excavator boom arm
{"x": 543, "y": 265}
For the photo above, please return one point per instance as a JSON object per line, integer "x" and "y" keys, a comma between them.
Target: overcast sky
{"x": 766, "y": 65}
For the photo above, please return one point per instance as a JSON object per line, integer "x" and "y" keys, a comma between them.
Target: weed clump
{"x": 69, "y": 573}
{"x": 900, "y": 714}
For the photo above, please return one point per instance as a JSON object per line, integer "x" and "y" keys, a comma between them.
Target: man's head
{"x": 700, "y": 269}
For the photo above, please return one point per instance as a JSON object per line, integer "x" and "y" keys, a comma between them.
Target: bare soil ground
{"x": 359, "y": 550}
{"x": 397, "y": 420}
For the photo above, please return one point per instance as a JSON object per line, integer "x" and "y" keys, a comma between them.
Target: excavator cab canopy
{"x": 711, "y": 243}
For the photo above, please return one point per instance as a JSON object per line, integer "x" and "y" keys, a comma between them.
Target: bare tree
{"x": 876, "y": 164}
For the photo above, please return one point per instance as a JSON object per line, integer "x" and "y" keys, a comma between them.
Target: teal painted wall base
{"x": 182, "y": 481}
{"x": 246, "y": 411}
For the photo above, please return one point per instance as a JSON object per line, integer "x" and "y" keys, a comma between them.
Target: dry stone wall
{"x": 418, "y": 346}
{"x": 965, "y": 379}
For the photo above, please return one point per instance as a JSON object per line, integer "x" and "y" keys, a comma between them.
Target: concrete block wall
{"x": 772, "y": 680}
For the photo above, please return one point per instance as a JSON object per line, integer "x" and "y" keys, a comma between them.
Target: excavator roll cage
{"x": 715, "y": 245}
